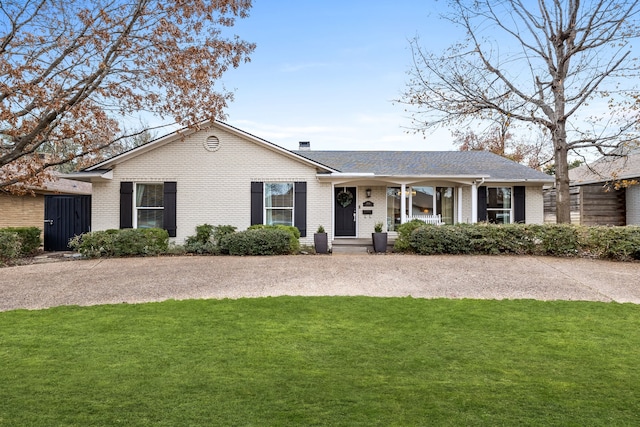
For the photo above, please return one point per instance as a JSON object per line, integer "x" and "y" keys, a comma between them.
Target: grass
{"x": 322, "y": 361}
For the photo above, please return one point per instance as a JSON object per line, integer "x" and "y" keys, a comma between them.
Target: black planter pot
{"x": 379, "y": 242}
{"x": 320, "y": 242}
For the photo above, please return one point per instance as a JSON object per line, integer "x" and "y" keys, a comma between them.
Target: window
{"x": 445, "y": 204}
{"x": 149, "y": 208}
{"x": 499, "y": 205}
{"x": 278, "y": 203}
{"x": 420, "y": 200}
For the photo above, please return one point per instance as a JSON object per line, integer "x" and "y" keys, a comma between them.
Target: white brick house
{"x": 221, "y": 175}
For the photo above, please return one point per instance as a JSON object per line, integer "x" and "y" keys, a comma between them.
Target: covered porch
{"x": 362, "y": 200}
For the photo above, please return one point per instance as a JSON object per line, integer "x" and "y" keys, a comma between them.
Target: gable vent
{"x": 212, "y": 143}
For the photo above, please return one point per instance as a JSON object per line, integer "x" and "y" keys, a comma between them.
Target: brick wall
{"x": 534, "y": 205}
{"x": 213, "y": 187}
{"x": 21, "y": 211}
{"x": 366, "y": 223}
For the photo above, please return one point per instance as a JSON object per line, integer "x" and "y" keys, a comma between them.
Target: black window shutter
{"x": 482, "y": 204}
{"x": 300, "y": 207}
{"x": 256, "y": 203}
{"x": 126, "y": 204}
{"x": 519, "y": 204}
{"x": 169, "y": 216}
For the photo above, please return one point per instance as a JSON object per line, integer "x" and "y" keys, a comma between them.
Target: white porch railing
{"x": 429, "y": 219}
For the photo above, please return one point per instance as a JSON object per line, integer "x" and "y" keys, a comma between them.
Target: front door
{"x": 345, "y": 211}
{"x": 65, "y": 217}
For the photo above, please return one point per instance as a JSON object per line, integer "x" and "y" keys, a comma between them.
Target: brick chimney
{"x": 305, "y": 146}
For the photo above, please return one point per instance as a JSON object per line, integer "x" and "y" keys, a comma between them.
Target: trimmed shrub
{"x": 433, "y": 239}
{"x": 497, "y": 239}
{"x": 94, "y": 244}
{"x": 617, "y": 243}
{"x": 10, "y": 246}
{"x": 141, "y": 242}
{"x": 202, "y": 242}
{"x": 207, "y": 239}
{"x": 127, "y": 242}
{"x": 258, "y": 241}
{"x": 293, "y": 231}
{"x": 559, "y": 240}
{"x": 29, "y": 239}
{"x": 219, "y": 234}
{"x": 403, "y": 241}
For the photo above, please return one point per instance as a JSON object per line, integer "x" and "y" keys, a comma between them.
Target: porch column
{"x": 474, "y": 203}
{"x": 403, "y": 203}
{"x": 459, "y": 204}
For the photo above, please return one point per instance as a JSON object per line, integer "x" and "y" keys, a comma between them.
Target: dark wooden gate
{"x": 65, "y": 217}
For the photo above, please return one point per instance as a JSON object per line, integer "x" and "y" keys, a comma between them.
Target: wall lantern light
{"x": 368, "y": 192}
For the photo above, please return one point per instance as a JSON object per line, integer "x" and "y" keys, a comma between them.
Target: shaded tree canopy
{"x": 565, "y": 66}
{"x": 72, "y": 70}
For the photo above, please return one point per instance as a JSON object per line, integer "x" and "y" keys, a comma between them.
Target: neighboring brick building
{"x": 221, "y": 175}
{"x": 28, "y": 210}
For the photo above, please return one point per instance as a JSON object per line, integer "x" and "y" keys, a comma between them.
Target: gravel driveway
{"x": 136, "y": 280}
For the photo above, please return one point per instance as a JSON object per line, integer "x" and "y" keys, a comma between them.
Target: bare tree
{"x": 499, "y": 137}
{"x": 71, "y": 70}
{"x": 548, "y": 63}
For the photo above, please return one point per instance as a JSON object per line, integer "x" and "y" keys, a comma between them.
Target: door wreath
{"x": 344, "y": 198}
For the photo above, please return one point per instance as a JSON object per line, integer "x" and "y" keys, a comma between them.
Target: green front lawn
{"x": 322, "y": 361}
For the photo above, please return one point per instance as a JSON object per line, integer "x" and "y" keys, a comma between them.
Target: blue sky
{"x": 327, "y": 72}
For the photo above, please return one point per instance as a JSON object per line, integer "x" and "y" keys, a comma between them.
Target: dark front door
{"x": 65, "y": 217}
{"x": 345, "y": 211}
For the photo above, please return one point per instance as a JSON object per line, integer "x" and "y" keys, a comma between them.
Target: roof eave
{"x": 524, "y": 180}
{"x": 465, "y": 177}
{"x": 101, "y": 175}
{"x": 602, "y": 180}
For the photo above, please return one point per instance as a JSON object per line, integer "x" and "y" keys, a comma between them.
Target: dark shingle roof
{"x": 607, "y": 169}
{"x": 408, "y": 163}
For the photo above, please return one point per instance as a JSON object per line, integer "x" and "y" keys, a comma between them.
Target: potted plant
{"x": 320, "y": 241}
{"x": 379, "y": 238}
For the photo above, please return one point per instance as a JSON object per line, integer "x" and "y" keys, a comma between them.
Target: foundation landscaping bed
{"x": 610, "y": 243}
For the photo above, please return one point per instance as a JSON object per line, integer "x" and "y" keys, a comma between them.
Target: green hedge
{"x": 620, "y": 243}
{"x": 126, "y": 242}
{"x": 16, "y": 242}
{"x": 615, "y": 243}
{"x": 258, "y": 241}
{"x": 293, "y": 231}
{"x": 207, "y": 239}
{"x": 9, "y": 246}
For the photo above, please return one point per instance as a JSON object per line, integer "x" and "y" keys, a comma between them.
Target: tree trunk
{"x": 563, "y": 201}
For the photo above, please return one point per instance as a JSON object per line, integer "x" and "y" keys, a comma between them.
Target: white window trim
{"x": 510, "y": 210}
{"x": 135, "y": 201}
{"x": 265, "y": 209}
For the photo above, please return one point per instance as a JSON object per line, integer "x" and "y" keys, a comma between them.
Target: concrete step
{"x": 356, "y": 246}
